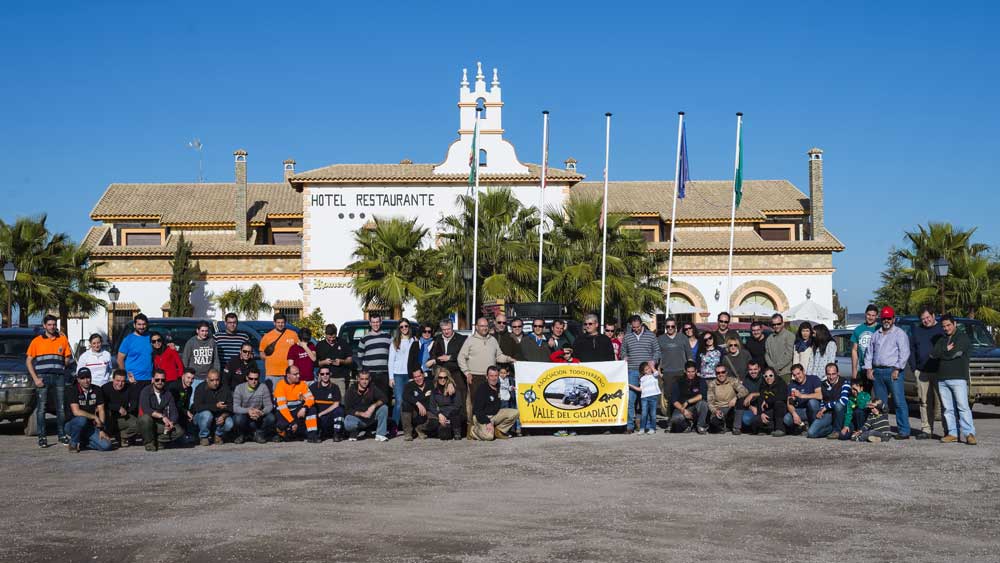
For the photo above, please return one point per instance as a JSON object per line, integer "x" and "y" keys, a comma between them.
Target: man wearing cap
{"x": 885, "y": 361}
{"x": 85, "y": 410}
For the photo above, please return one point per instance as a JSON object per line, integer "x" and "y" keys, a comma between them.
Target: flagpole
{"x": 541, "y": 196}
{"x": 475, "y": 229}
{"x": 673, "y": 211}
{"x": 604, "y": 213}
{"x": 732, "y": 217}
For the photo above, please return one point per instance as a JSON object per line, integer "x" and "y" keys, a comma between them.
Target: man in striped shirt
{"x": 48, "y": 355}
{"x": 373, "y": 353}
{"x": 833, "y": 407}
{"x": 638, "y": 347}
{"x": 230, "y": 341}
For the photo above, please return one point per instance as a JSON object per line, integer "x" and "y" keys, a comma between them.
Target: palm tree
{"x": 80, "y": 285}
{"x": 247, "y": 303}
{"x": 633, "y": 283}
{"x": 35, "y": 251}
{"x": 391, "y": 267}
{"x": 974, "y": 289}
{"x": 508, "y": 249}
{"x": 942, "y": 240}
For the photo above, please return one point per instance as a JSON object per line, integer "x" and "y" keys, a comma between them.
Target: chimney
{"x": 818, "y": 229}
{"x": 240, "y": 208}
{"x": 570, "y": 164}
{"x": 289, "y": 168}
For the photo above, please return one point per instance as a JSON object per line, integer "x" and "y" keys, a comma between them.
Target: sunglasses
{"x": 609, "y": 330}
{"x": 590, "y": 323}
{"x": 671, "y": 326}
{"x": 428, "y": 331}
{"x": 246, "y": 351}
{"x": 768, "y": 375}
{"x": 687, "y": 328}
{"x": 500, "y": 322}
{"x": 777, "y": 324}
{"x": 252, "y": 378}
{"x": 721, "y": 373}
{"x": 516, "y": 326}
{"x": 159, "y": 380}
{"x": 325, "y": 373}
{"x": 734, "y": 345}
{"x": 442, "y": 379}
{"x": 538, "y": 326}
{"x": 156, "y": 340}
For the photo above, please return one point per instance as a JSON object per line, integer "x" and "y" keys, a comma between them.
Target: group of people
{"x": 437, "y": 382}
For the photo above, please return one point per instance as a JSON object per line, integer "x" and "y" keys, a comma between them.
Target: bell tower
{"x": 496, "y": 154}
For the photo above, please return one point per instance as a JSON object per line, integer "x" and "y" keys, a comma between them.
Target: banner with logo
{"x": 562, "y": 395}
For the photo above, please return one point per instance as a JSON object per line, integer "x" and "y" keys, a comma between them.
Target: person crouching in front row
{"x": 296, "y": 407}
{"x": 252, "y": 408}
{"x": 446, "y": 408}
{"x": 489, "y": 420}
{"x": 365, "y": 406}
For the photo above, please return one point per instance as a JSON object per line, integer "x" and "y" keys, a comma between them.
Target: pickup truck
{"x": 984, "y": 363}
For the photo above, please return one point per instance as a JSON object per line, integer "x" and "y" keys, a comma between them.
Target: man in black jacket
{"x": 329, "y": 412}
{"x": 592, "y": 346}
{"x": 238, "y": 366}
{"x": 182, "y": 390}
{"x": 157, "y": 413}
{"x": 489, "y": 420}
{"x": 365, "y": 406}
{"x": 690, "y": 402}
{"x": 444, "y": 350}
{"x": 213, "y": 408}
{"x": 756, "y": 344}
{"x": 121, "y": 407}
{"x": 416, "y": 405}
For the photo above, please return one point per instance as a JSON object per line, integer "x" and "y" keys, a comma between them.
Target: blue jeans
{"x": 205, "y": 421}
{"x": 51, "y": 382}
{"x": 746, "y": 419}
{"x": 830, "y": 421}
{"x": 399, "y": 380}
{"x": 955, "y": 394}
{"x": 885, "y": 384}
{"x": 858, "y": 419}
{"x": 807, "y": 413}
{"x": 81, "y": 430}
{"x": 245, "y": 425}
{"x": 354, "y": 424}
{"x": 649, "y": 412}
{"x": 633, "y": 397}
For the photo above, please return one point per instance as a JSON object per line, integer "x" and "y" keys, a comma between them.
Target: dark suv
{"x": 17, "y": 391}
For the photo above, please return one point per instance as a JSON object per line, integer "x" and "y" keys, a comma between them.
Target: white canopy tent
{"x": 752, "y": 310}
{"x": 810, "y": 311}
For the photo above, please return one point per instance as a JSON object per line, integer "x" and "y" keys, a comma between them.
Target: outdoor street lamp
{"x": 9, "y": 275}
{"x": 809, "y": 293}
{"x": 113, "y": 294}
{"x": 941, "y": 271}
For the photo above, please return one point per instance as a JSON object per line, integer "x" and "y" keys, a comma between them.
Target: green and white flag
{"x": 738, "y": 181}
{"x": 474, "y": 158}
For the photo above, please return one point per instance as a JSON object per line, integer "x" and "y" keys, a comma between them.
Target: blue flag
{"x": 683, "y": 176}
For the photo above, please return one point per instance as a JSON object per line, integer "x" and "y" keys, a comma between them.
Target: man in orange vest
{"x": 296, "y": 407}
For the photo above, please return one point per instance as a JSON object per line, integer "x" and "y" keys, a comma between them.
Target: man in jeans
{"x": 675, "y": 351}
{"x": 85, "y": 406}
{"x": 804, "y": 395}
{"x": 253, "y": 409}
{"x": 724, "y": 396}
{"x": 690, "y": 402}
{"x": 952, "y": 351}
{"x": 888, "y": 352}
{"x": 922, "y": 340}
{"x": 833, "y": 407}
{"x": 638, "y": 347}
{"x": 47, "y": 357}
{"x": 213, "y": 409}
{"x": 365, "y": 406}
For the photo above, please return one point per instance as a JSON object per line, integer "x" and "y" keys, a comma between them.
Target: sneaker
{"x": 239, "y": 439}
{"x": 702, "y": 430}
{"x": 73, "y": 448}
{"x": 572, "y": 432}
{"x": 217, "y": 441}
{"x": 352, "y": 437}
{"x": 64, "y": 440}
{"x": 902, "y": 436}
{"x": 500, "y": 434}
{"x": 833, "y": 436}
{"x": 381, "y": 438}
{"x": 408, "y": 438}
{"x": 259, "y": 438}
{"x": 43, "y": 442}
{"x": 337, "y": 437}
{"x": 778, "y": 433}
{"x": 874, "y": 439}
{"x": 362, "y": 433}
{"x": 313, "y": 439}
{"x": 922, "y": 436}
{"x": 203, "y": 442}
{"x": 150, "y": 447}
{"x": 737, "y": 431}
{"x": 629, "y": 431}
{"x": 563, "y": 433}
{"x": 971, "y": 440}
{"x": 949, "y": 439}
{"x": 277, "y": 438}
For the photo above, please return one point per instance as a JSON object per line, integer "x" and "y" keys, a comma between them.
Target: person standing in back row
{"x": 861, "y": 340}
{"x": 97, "y": 360}
{"x": 674, "y": 354}
{"x": 592, "y": 346}
{"x": 274, "y": 347}
{"x": 231, "y": 340}
{"x": 135, "y": 353}
{"x": 638, "y": 347}
{"x": 885, "y": 362}
{"x": 952, "y": 352}
{"x": 373, "y": 354}
{"x": 723, "y": 333}
{"x": 47, "y": 359}
{"x": 923, "y": 337}
{"x": 757, "y": 344}
{"x": 334, "y": 353}
{"x": 780, "y": 348}
{"x": 200, "y": 354}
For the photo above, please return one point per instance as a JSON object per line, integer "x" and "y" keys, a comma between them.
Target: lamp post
{"x": 113, "y": 294}
{"x": 941, "y": 270}
{"x": 467, "y": 276}
{"x": 9, "y": 275}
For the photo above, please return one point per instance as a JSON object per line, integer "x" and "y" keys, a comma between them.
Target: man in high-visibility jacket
{"x": 296, "y": 407}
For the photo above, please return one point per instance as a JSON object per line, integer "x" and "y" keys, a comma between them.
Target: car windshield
{"x": 14, "y": 346}
{"x": 980, "y": 337}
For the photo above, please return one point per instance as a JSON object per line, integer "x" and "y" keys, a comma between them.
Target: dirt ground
{"x": 540, "y": 498}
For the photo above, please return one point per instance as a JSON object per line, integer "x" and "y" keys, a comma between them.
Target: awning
{"x": 810, "y": 311}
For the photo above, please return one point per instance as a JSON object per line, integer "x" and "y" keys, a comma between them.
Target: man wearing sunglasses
{"x": 675, "y": 353}
{"x": 592, "y": 346}
{"x": 508, "y": 343}
{"x": 779, "y": 348}
{"x": 334, "y": 353}
{"x": 724, "y": 392}
{"x": 253, "y": 410}
{"x": 158, "y": 414}
{"x": 535, "y": 346}
{"x": 723, "y": 333}
{"x": 238, "y": 367}
{"x": 328, "y": 399}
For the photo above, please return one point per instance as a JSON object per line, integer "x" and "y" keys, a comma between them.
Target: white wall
{"x": 794, "y": 287}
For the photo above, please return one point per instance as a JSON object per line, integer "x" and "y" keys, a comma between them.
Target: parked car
{"x": 17, "y": 391}
{"x": 984, "y": 361}
{"x": 843, "y": 339}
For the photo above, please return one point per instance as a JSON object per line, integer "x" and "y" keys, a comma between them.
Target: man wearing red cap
{"x": 885, "y": 362}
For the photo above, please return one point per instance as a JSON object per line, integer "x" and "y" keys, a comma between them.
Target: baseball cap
{"x": 84, "y": 372}
{"x": 887, "y": 313}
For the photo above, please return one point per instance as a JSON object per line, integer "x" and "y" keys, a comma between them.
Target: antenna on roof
{"x": 196, "y": 145}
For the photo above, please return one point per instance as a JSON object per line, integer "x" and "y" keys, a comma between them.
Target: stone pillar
{"x": 240, "y": 205}
{"x": 818, "y": 229}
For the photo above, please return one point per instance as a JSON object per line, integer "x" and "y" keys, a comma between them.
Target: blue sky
{"x": 901, "y": 96}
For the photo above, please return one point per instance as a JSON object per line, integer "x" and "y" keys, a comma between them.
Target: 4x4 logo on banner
{"x": 561, "y": 395}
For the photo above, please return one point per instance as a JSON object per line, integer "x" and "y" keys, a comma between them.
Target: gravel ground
{"x": 539, "y": 498}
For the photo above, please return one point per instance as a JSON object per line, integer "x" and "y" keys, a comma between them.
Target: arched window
{"x": 758, "y": 298}
{"x": 481, "y": 107}
{"x": 482, "y": 157}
